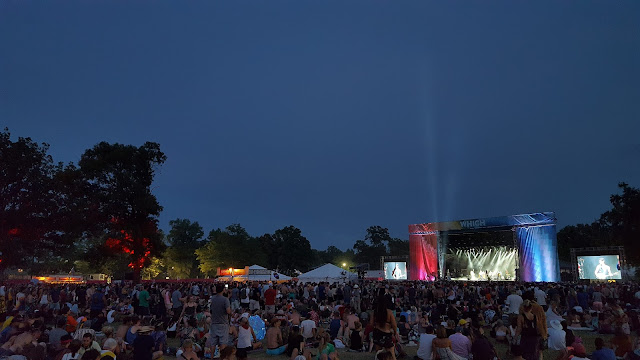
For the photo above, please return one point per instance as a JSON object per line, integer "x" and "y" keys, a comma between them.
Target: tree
{"x": 232, "y": 247}
{"x": 155, "y": 270}
{"x": 36, "y": 215}
{"x": 623, "y": 220}
{"x": 287, "y": 250}
{"x": 184, "y": 239}
{"x": 619, "y": 226}
{"x": 126, "y": 216}
{"x": 398, "y": 247}
{"x": 373, "y": 246}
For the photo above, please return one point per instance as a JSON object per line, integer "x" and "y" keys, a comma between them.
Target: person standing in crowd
{"x": 220, "y": 312}
{"x": 98, "y": 301}
{"x": 529, "y": 332}
{"x": 541, "y": 297}
{"x": 245, "y": 294}
{"x": 514, "y": 301}
{"x": 176, "y": 302}
{"x": 355, "y": 298}
{"x": 270, "y": 300}
{"x": 143, "y": 301}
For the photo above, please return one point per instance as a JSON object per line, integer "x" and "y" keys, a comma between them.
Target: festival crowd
{"x": 443, "y": 320}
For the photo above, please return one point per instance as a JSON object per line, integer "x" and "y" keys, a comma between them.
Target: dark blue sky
{"x": 337, "y": 115}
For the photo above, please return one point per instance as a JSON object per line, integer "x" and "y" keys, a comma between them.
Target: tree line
{"x": 100, "y": 216}
{"x": 618, "y": 226}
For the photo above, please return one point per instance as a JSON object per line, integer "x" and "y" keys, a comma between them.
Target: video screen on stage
{"x": 604, "y": 267}
{"x": 395, "y": 270}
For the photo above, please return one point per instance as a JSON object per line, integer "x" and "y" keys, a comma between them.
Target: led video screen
{"x": 604, "y": 267}
{"x": 395, "y": 270}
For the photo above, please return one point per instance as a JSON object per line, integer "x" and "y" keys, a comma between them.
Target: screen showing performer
{"x": 604, "y": 267}
{"x": 395, "y": 271}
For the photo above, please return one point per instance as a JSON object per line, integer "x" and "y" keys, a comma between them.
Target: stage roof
{"x": 493, "y": 223}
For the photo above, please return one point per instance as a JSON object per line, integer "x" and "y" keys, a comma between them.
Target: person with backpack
{"x": 244, "y": 297}
{"x": 254, "y": 301}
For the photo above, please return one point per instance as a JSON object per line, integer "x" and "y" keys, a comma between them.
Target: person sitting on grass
{"x": 186, "y": 351}
{"x": 501, "y": 331}
{"x": 326, "y": 350}
{"x": 228, "y": 353}
{"x": 110, "y": 349}
{"x": 274, "y": 338}
{"x": 246, "y": 336}
{"x": 602, "y": 352}
{"x": 88, "y": 343}
{"x": 622, "y": 343}
{"x": 73, "y": 348}
{"x": 355, "y": 340}
{"x": 92, "y": 354}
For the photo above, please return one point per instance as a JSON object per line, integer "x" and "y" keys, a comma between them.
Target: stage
{"x": 509, "y": 248}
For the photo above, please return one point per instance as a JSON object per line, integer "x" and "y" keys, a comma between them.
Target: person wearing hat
{"x": 355, "y": 298}
{"x": 557, "y": 339}
{"x": 110, "y": 349}
{"x": 143, "y": 344}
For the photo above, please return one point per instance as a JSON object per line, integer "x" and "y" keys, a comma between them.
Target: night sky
{"x": 336, "y": 115}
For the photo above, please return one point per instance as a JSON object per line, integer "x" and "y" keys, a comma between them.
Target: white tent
{"x": 327, "y": 273}
{"x": 259, "y": 273}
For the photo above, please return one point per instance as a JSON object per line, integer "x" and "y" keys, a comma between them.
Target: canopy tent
{"x": 259, "y": 273}
{"x": 327, "y": 273}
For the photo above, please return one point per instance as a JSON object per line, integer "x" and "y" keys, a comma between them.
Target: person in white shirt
{"x": 514, "y": 301}
{"x": 426, "y": 339}
{"x": 308, "y": 328}
{"x": 552, "y": 313}
{"x": 541, "y": 298}
{"x": 557, "y": 336}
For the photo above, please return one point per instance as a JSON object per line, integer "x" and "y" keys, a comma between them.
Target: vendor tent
{"x": 327, "y": 273}
{"x": 259, "y": 273}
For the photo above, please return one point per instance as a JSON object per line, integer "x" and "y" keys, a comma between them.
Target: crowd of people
{"x": 443, "y": 320}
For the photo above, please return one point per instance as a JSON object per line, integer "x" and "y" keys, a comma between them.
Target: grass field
{"x": 587, "y": 339}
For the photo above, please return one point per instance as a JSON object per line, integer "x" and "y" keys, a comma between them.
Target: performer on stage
{"x": 396, "y": 273}
{"x": 603, "y": 270}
